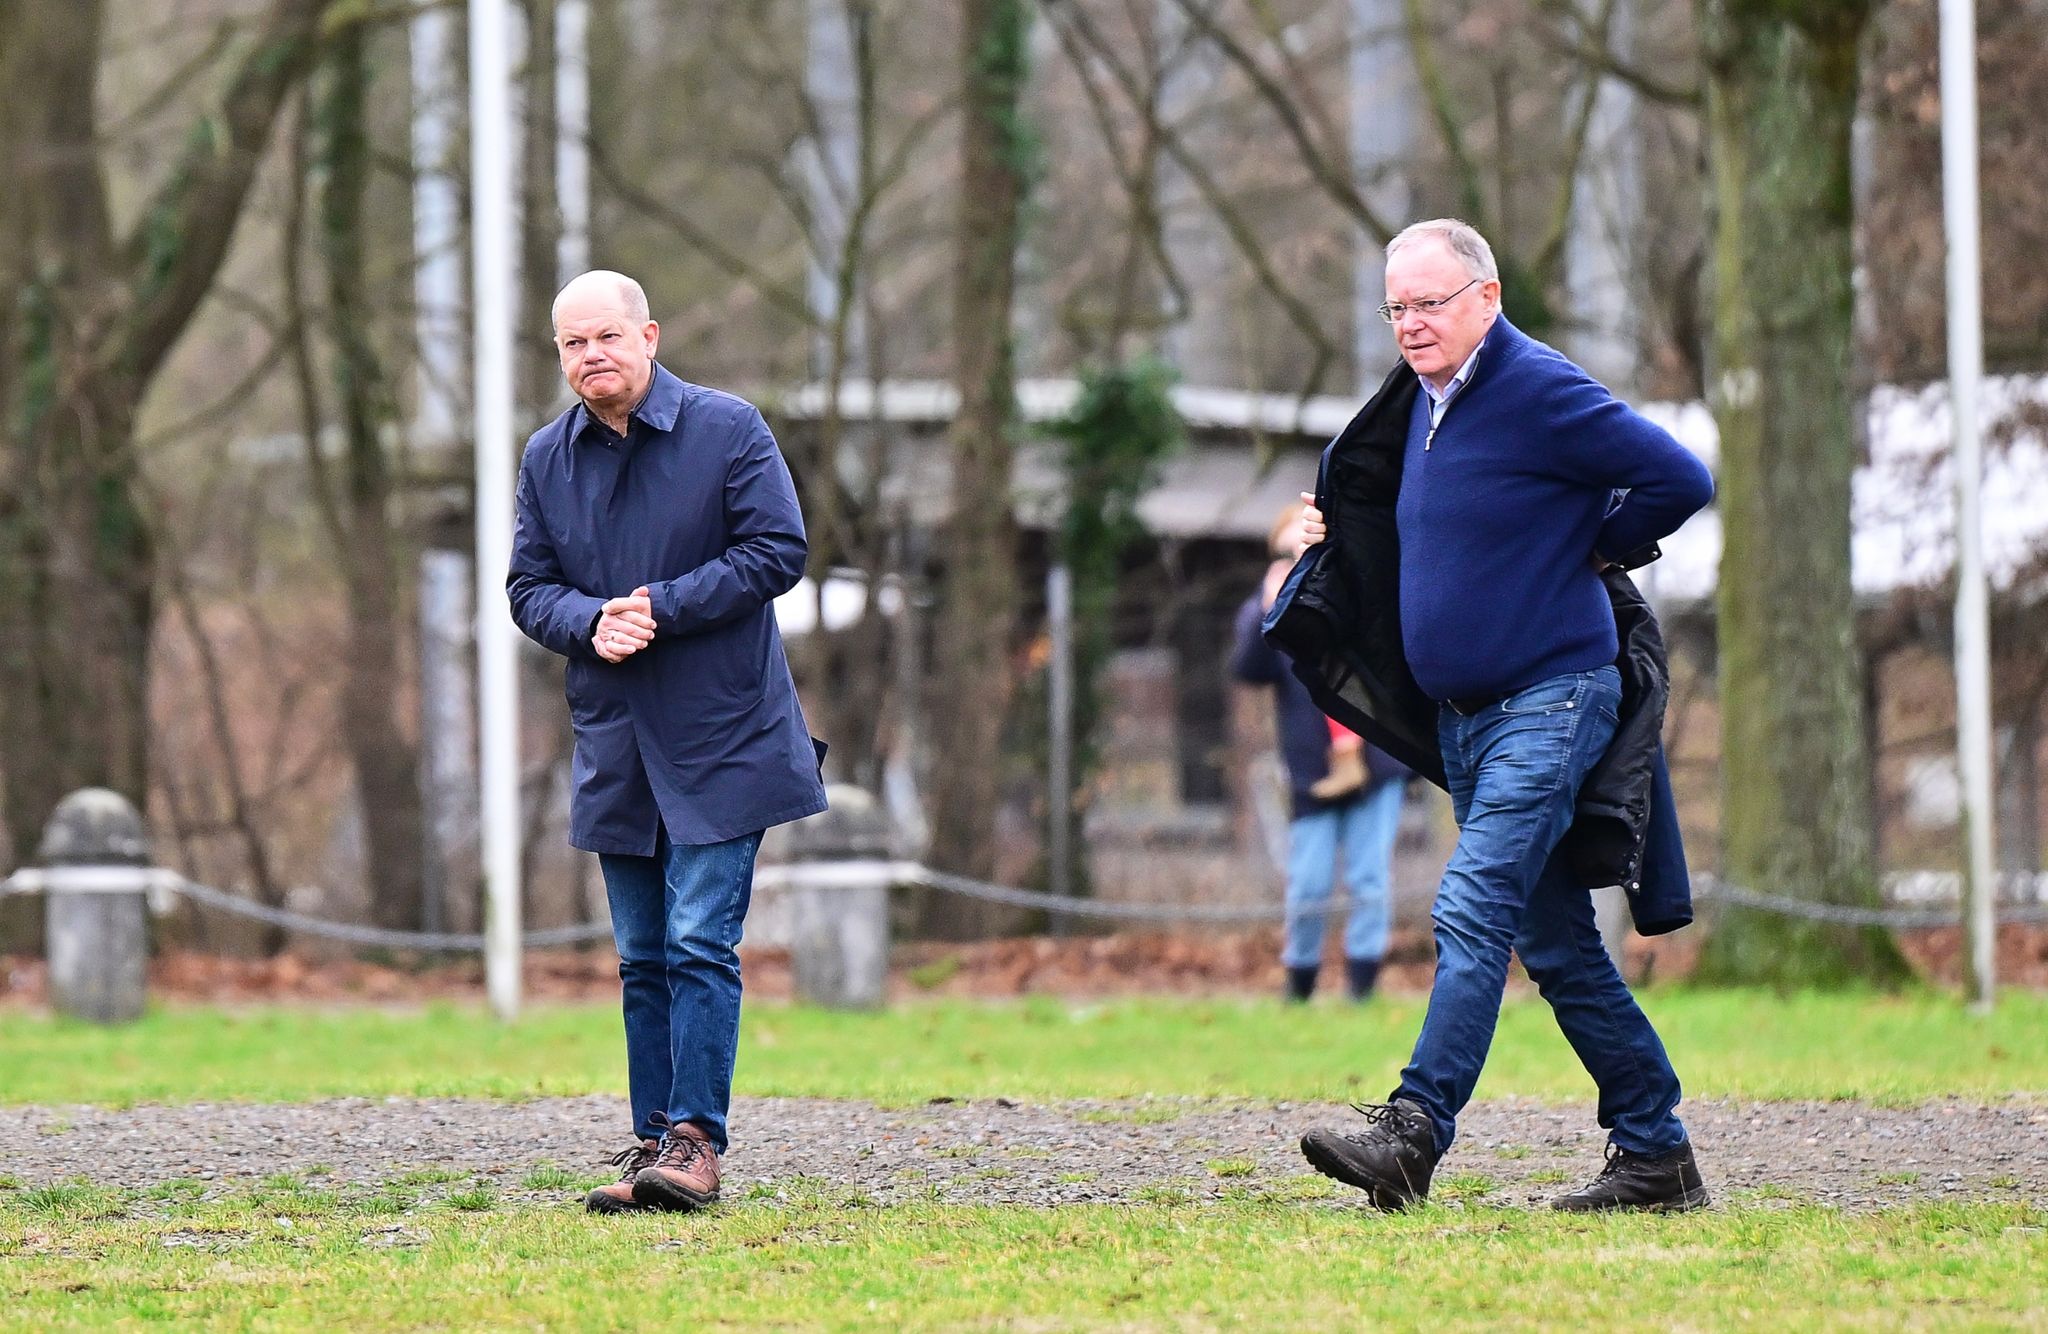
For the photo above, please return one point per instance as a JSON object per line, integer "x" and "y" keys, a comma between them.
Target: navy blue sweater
{"x": 1501, "y": 515}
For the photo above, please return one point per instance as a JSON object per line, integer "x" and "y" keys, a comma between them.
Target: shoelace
{"x": 1379, "y": 1121}
{"x": 678, "y": 1150}
{"x": 632, "y": 1158}
{"x": 1618, "y": 1160}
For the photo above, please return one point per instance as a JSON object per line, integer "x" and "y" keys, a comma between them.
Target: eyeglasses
{"x": 1392, "y": 311}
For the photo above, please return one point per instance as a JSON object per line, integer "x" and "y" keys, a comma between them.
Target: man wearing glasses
{"x": 1469, "y": 512}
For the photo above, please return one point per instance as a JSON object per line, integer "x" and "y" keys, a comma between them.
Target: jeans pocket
{"x": 1551, "y": 696}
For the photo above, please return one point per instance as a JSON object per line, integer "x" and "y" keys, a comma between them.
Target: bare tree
{"x": 540, "y": 218}
{"x": 357, "y": 506}
{"x": 1782, "y": 86}
{"x": 981, "y": 594}
{"x": 88, "y": 315}
{"x": 852, "y": 167}
{"x": 1101, "y": 64}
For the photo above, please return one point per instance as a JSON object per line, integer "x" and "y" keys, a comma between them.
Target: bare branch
{"x": 1332, "y": 173}
{"x": 1443, "y": 106}
{"x": 220, "y": 718}
{"x": 1550, "y": 253}
{"x": 299, "y": 328}
{"x": 1136, "y": 178}
{"x": 1596, "y": 54}
{"x": 1273, "y": 26}
{"x": 234, "y": 399}
{"x": 165, "y": 93}
{"x": 1241, "y": 233}
{"x": 184, "y": 232}
{"x": 779, "y": 295}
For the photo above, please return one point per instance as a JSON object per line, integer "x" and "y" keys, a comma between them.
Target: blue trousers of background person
{"x": 1515, "y": 768}
{"x": 676, "y": 919}
{"x": 1362, "y": 831}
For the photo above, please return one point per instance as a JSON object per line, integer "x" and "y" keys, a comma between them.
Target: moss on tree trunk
{"x": 981, "y": 594}
{"x": 1796, "y": 815}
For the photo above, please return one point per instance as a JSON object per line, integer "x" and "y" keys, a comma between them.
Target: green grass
{"x": 477, "y": 1199}
{"x": 803, "y": 1260}
{"x": 1891, "y": 1049}
{"x": 549, "y": 1177}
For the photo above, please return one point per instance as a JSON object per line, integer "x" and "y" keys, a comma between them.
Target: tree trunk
{"x": 1796, "y": 811}
{"x": 87, "y": 318}
{"x": 75, "y": 603}
{"x": 980, "y": 596}
{"x": 540, "y": 221}
{"x": 386, "y": 763}
{"x": 849, "y": 673}
{"x": 74, "y": 553}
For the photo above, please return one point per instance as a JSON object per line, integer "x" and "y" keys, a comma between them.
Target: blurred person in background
{"x": 656, "y": 526}
{"x": 1346, "y": 799}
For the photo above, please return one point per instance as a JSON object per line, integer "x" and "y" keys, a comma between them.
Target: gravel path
{"x": 1158, "y": 1150}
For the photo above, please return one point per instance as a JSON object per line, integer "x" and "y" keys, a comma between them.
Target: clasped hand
{"x": 626, "y": 627}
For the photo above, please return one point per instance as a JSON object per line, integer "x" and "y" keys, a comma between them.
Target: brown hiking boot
{"x": 683, "y": 1175}
{"x": 617, "y": 1198}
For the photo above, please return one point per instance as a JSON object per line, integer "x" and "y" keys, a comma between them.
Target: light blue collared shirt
{"x": 1440, "y": 400}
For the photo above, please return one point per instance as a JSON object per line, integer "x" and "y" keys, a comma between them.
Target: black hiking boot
{"x": 1669, "y": 1183}
{"x": 1301, "y": 984}
{"x": 1360, "y": 977}
{"x": 1391, "y": 1160}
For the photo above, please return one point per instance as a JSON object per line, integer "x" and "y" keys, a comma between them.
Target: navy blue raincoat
{"x": 700, "y": 732}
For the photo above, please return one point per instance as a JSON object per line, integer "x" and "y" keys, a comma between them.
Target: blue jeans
{"x": 676, "y": 919}
{"x": 1363, "y": 830}
{"x": 1515, "y": 768}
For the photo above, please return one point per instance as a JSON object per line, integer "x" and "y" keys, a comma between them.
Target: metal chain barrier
{"x": 374, "y": 937}
{"x": 1710, "y": 891}
{"x": 378, "y": 936}
{"x": 1132, "y": 912}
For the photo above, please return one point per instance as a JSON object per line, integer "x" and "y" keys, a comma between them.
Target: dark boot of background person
{"x": 1301, "y": 984}
{"x": 1669, "y": 1183}
{"x": 1391, "y": 1160}
{"x": 617, "y": 1198}
{"x": 1360, "y": 977}
{"x": 684, "y": 1174}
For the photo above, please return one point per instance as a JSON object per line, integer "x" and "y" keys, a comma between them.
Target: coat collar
{"x": 658, "y": 408}
{"x": 664, "y": 400}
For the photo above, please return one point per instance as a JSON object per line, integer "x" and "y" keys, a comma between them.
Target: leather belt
{"x": 1472, "y": 704}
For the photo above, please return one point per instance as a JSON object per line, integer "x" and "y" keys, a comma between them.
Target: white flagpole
{"x": 493, "y": 280}
{"x": 1965, "y": 370}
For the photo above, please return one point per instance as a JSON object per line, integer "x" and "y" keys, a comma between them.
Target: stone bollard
{"x": 838, "y": 880}
{"x": 96, "y": 884}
